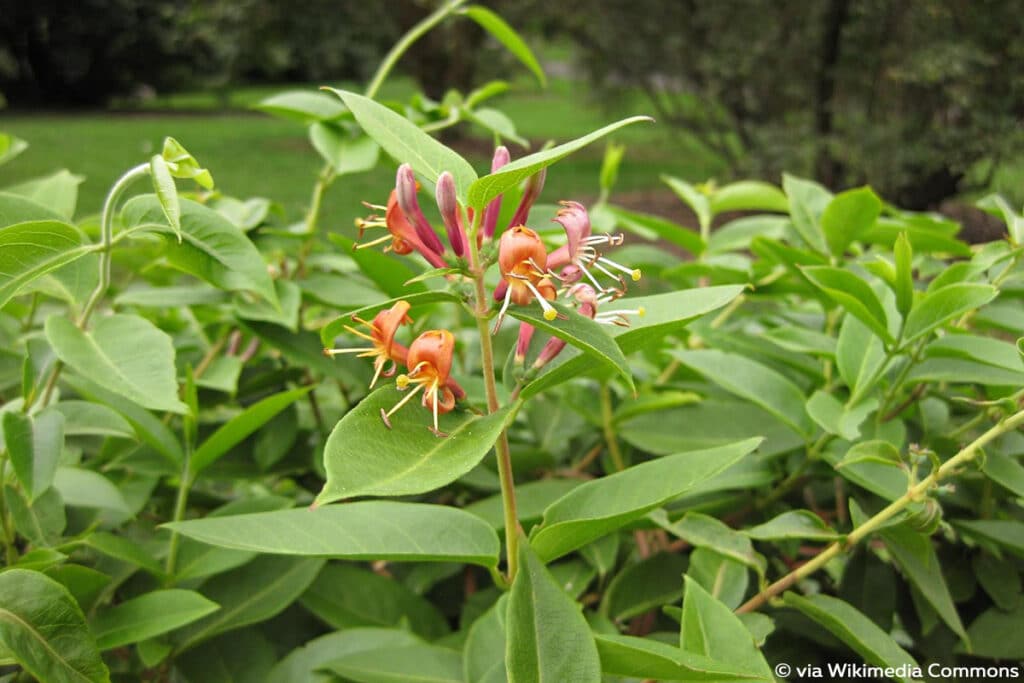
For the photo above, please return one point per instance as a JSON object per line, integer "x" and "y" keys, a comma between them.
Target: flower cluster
{"x": 578, "y": 271}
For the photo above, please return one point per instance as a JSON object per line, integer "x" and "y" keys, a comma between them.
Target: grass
{"x": 251, "y": 154}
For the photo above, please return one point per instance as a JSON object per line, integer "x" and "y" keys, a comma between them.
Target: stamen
{"x": 360, "y": 333}
{"x": 378, "y": 366}
{"x": 375, "y": 207}
{"x": 632, "y": 272}
{"x": 617, "y": 278}
{"x": 586, "y": 271}
{"x": 337, "y": 352}
{"x": 373, "y": 243}
{"x": 504, "y": 309}
{"x": 549, "y": 311}
{"x": 405, "y": 399}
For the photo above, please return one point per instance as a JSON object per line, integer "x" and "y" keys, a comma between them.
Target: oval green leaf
{"x": 367, "y": 530}
{"x": 44, "y": 630}
{"x": 600, "y": 506}
{"x": 482, "y": 191}
{"x": 363, "y": 457}
{"x": 32, "y": 249}
{"x": 148, "y": 616}
{"x": 942, "y": 305}
{"x": 406, "y": 143}
{"x": 853, "y": 294}
{"x": 123, "y": 353}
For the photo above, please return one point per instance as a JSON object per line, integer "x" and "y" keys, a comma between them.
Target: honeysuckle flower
{"x": 522, "y": 260}
{"x": 384, "y": 348}
{"x": 407, "y": 187}
{"x": 403, "y": 237}
{"x": 430, "y": 362}
{"x": 490, "y": 221}
{"x": 580, "y": 253}
{"x": 449, "y": 206}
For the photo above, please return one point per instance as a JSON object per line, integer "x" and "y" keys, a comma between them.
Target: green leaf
{"x": 390, "y": 273}
{"x": 43, "y": 629}
{"x": 544, "y": 625}
{"x": 345, "y": 596}
{"x": 507, "y": 36}
{"x": 807, "y": 202}
{"x": 302, "y": 106}
{"x": 125, "y": 550}
{"x": 723, "y": 577}
{"x": 654, "y": 227}
{"x": 10, "y": 147}
{"x": 408, "y": 458}
{"x": 345, "y": 154}
{"x": 149, "y": 615}
{"x": 915, "y": 556}
{"x": 582, "y": 333}
{"x": 40, "y": 522}
{"x": 1000, "y": 579}
{"x": 709, "y": 628}
{"x": 859, "y": 353}
{"x": 166, "y": 192}
{"x": 904, "y": 273}
{"x": 752, "y": 381}
{"x": 80, "y": 487}
{"x": 997, "y": 634}
{"x": 369, "y": 530}
{"x": 251, "y": 594}
{"x": 301, "y": 664}
{"x": 1006, "y": 533}
{"x": 938, "y": 307}
{"x": 748, "y": 195}
{"x": 835, "y": 418}
{"x": 738, "y": 234}
{"x": 853, "y": 628}
{"x": 600, "y": 506}
{"x": 232, "y": 432}
{"x": 664, "y": 314}
{"x": 1005, "y": 471}
{"x": 286, "y": 314}
{"x": 853, "y": 294}
{"x": 212, "y": 247}
{"x": 646, "y": 585}
{"x": 644, "y": 658}
{"x": 34, "y": 445}
{"x": 419, "y": 663}
{"x": 483, "y": 657}
{"x": 793, "y": 524}
{"x": 125, "y": 354}
{"x": 32, "y": 249}
{"x": 698, "y": 202}
{"x": 875, "y": 466}
{"x": 58, "y": 191}
{"x": 14, "y": 208}
{"x": 848, "y": 216}
{"x": 704, "y": 531}
{"x": 926, "y": 235}
{"x": 406, "y": 143}
{"x": 482, "y": 191}
{"x": 242, "y": 655}
{"x": 84, "y": 418}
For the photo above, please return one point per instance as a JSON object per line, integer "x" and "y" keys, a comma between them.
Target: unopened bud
{"x": 405, "y": 184}
{"x": 449, "y": 207}
{"x": 533, "y": 188}
{"x": 501, "y": 157}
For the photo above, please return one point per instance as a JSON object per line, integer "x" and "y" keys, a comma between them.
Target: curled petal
{"x": 431, "y": 352}
{"x": 574, "y": 218}
{"x": 386, "y": 324}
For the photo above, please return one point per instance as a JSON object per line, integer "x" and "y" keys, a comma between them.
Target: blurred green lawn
{"x": 252, "y": 154}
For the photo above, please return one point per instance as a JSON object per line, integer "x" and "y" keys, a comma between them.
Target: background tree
{"x": 911, "y": 95}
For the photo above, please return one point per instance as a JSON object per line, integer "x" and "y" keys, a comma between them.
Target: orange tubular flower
{"x": 402, "y": 234}
{"x": 430, "y": 362}
{"x": 522, "y": 259}
{"x": 382, "y": 335}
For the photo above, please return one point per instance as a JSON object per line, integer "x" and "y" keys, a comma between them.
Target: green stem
{"x": 913, "y": 494}
{"x": 508, "y": 488}
{"x": 106, "y": 250}
{"x": 414, "y": 34}
{"x": 180, "y": 503}
{"x": 107, "y": 239}
{"x": 10, "y": 551}
{"x": 610, "y": 438}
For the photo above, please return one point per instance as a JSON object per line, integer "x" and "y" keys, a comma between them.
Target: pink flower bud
{"x": 449, "y": 206}
{"x": 533, "y": 189}
{"x": 405, "y": 183}
{"x": 501, "y": 157}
